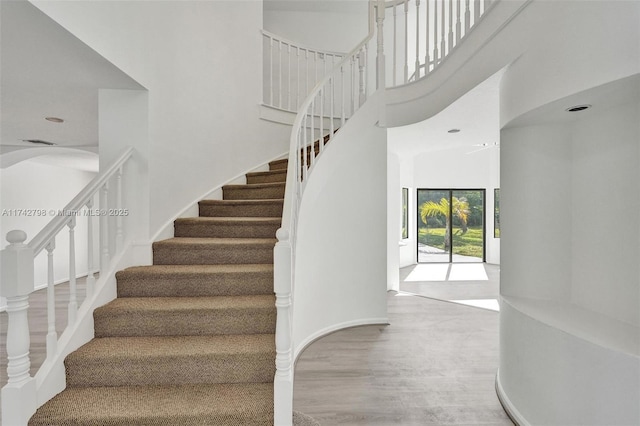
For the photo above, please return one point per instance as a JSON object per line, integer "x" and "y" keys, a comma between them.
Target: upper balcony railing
{"x": 291, "y": 70}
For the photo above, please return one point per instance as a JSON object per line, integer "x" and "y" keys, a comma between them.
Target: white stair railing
{"x": 335, "y": 98}
{"x": 425, "y": 32}
{"x": 291, "y": 70}
{"x": 20, "y": 395}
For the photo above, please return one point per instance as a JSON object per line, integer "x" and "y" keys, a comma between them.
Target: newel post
{"x": 283, "y": 381}
{"x": 380, "y": 60}
{"x": 16, "y": 283}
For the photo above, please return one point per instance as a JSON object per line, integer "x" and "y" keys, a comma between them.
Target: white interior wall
{"x": 203, "y": 119}
{"x": 569, "y": 274}
{"x": 394, "y": 221}
{"x": 462, "y": 168}
{"x": 605, "y": 188}
{"x": 408, "y": 252}
{"x": 43, "y": 189}
{"x": 331, "y": 27}
{"x": 340, "y": 256}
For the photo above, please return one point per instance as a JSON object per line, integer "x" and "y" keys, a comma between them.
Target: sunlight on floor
{"x": 491, "y": 304}
{"x": 468, "y": 272}
{"x": 430, "y": 272}
{"x": 448, "y": 272}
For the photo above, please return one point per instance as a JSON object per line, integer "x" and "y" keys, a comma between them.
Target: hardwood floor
{"x": 434, "y": 365}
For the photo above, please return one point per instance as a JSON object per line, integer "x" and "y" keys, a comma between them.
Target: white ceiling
{"x": 475, "y": 114}
{"x": 46, "y": 71}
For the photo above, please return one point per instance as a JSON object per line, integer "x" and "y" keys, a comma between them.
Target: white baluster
{"x": 353, "y": 86}
{"x": 283, "y": 380}
{"x": 458, "y": 23}
{"x": 467, "y": 17}
{"x": 476, "y": 11}
{"x": 271, "y": 71}
{"x": 289, "y": 77}
{"x": 417, "y": 71}
{"x": 331, "y": 110}
{"x": 279, "y": 73}
{"x": 297, "y": 77}
{"x": 442, "y": 29}
{"x": 306, "y": 145}
{"x": 321, "y": 131}
{"x": 436, "y": 55}
{"x": 104, "y": 227}
{"x": 52, "y": 335}
{"x": 426, "y": 43}
{"x": 72, "y": 309}
{"x": 306, "y": 81}
{"x": 304, "y": 172}
{"x": 450, "y": 25}
{"x": 19, "y": 399}
{"x": 406, "y": 41}
{"x": 343, "y": 115}
{"x": 119, "y": 210}
{"x": 362, "y": 61}
{"x": 395, "y": 44}
{"x": 315, "y": 67}
{"x": 91, "y": 278}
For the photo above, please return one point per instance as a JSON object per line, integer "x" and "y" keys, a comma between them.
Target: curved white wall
{"x": 341, "y": 258}
{"x": 570, "y": 280}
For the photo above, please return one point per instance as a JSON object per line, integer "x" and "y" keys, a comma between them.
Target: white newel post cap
{"x": 16, "y": 275}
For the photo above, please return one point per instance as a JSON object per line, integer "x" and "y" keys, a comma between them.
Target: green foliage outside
{"x": 467, "y": 244}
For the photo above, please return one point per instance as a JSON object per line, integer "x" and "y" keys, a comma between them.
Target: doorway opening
{"x": 451, "y": 225}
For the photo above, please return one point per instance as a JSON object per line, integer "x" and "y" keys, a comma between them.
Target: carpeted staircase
{"x": 190, "y": 339}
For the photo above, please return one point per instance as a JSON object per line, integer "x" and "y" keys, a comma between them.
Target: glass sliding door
{"x": 451, "y": 225}
{"x": 433, "y": 224}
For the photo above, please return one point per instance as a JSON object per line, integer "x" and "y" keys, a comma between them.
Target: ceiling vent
{"x": 38, "y": 141}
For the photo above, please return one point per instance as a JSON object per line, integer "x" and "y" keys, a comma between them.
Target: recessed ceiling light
{"x": 453, "y": 131}
{"x": 54, "y": 119}
{"x": 38, "y": 141}
{"x": 577, "y": 108}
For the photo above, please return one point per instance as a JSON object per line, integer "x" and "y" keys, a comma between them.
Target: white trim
{"x": 332, "y": 328}
{"x": 508, "y": 406}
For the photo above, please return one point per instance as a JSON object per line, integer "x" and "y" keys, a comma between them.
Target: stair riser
{"x": 217, "y": 255}
{"x": 223, "y": 230}
{"x": 221, "y": 210}
{"x": 248, "y": 193}
{"x": 268, "y": 178}
{"x": 279, "y": 165}
{"x": 181, "y": 323}
{"x": 227, "y": 368}
{"x": 195, "y": 286}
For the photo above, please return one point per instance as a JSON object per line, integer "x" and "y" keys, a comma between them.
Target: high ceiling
{"x": 47, "y": 72}
{"x": 475, "y": 115}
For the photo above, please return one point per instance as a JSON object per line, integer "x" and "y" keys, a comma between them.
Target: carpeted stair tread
{"x": 279, "y": 164}
{"x": 168, "y": 405}
{"x": 129, "y": 361}
{"x": 268, "y": 176}
{"x": 207, "y": 251}
{"x": 195, "y": 280}
{"x": 253, "y": 191}
{"x": 241, "y": 208}
{"x": 227, "y": 227}
{"x": 174, "y": 316}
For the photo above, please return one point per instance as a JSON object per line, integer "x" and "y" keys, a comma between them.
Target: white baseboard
{"x": 335, "y": 327}
{"x": 508, "y": 406}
